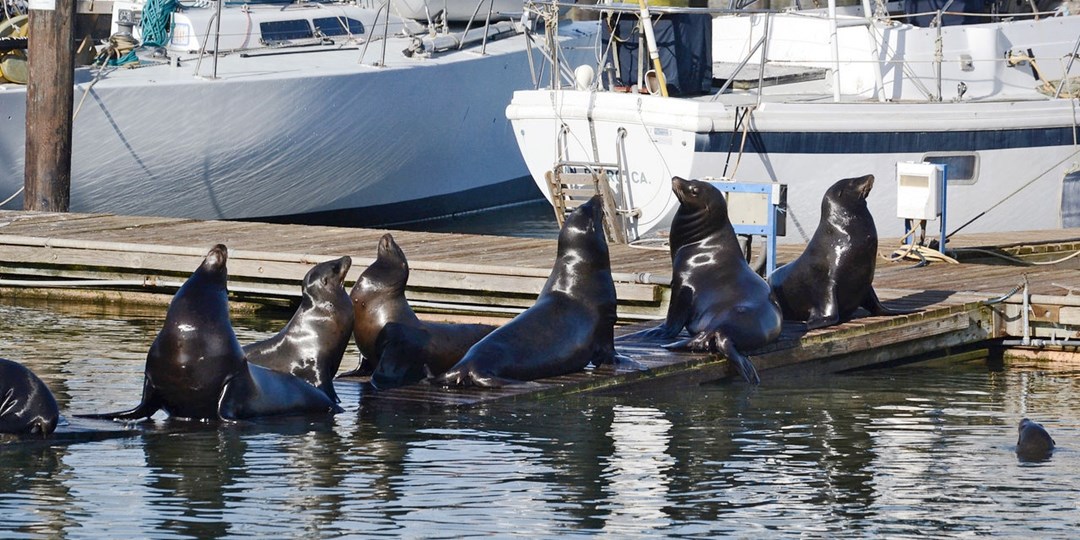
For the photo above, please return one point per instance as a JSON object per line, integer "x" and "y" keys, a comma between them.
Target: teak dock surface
{"x": 456, "y": 273}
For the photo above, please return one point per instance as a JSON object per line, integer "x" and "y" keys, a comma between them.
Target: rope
{"x": 1011, "y": 195}
{"x": 1016, "y": 259}
{"x": 155, "y": 22}
{"x": 12, "y": 197}
{"x": 742, "y": 144}
{"x": 798, "y": 226}
{"x": 925, "y": 255}
{"x": 120, "y": 51}
{"x": 918, "y": 252}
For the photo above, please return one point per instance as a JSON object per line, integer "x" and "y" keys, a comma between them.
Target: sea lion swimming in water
{"x": 834, "y": 276}
{"x": 715, "y": 295}
{"x": 571, "y": 324}
{"x": 26, "y": 404}
{"x": 387, "y": 330}
{"x": 313, "y": 342}
{"x": 1033, "y": 443}
{"x": 196, "y": 369}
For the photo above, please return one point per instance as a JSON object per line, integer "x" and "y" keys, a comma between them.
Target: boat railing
{"x": 928, "y": 84}
{"x": 431, "y": 42}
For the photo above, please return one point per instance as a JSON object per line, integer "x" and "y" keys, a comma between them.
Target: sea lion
{"x": 26, "y": 404}
{"x": 409, "y": 344}
{"x": 312, "y": 344}
{"x": 196, "y": 369}
{"x": 724, "y": 305}
{"x": 1033, "y": 442}
{"x": 571, "y": 324}
{"x": 834, "y": 276}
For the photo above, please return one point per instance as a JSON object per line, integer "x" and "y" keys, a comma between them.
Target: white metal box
{"x": 918, "y": 190}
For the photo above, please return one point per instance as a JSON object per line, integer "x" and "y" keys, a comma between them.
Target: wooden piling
{"x": 49, "y": 105}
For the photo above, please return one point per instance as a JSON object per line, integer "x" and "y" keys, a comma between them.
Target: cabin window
{"x": 960, "y": 168}
{"x": 335, "y": 26}
{"x": 278, "y": 31}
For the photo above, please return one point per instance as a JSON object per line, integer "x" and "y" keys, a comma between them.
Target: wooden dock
{"x": 497, "y": 276}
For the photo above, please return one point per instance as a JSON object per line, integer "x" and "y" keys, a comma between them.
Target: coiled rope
{"x": 156, "y": 22}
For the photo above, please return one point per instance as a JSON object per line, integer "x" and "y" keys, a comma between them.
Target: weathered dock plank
{"x": 476, "y": 272}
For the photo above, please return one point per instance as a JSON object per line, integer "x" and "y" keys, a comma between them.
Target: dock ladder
{"x": 572, "y": 183}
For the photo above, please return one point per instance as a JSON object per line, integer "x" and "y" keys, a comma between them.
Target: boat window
{"x": 960, "y": 168}
{"x": 335, "y": 26}
{"x": 277, "y": 31}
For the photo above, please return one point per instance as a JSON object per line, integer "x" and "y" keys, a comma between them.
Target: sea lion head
{"x": 848, "y": 193}
{"x": 328, "y": 275}
{"x": 586, "y": 221}
{"x": 582, "y": 250}
{"x": 1033, "y": 443}
{"x": 386, "y": 276}
{"x": 702, "y": 212}
{"x": 214, "y": 264}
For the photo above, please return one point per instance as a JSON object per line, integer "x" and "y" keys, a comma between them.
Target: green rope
{"x": 125, "y": 59}
{"x": 155, "y": 22}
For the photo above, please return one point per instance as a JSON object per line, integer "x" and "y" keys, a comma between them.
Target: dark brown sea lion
{"x": 26, "y": 404}
{"x": 408, "y": 344}
{"x": 715, "y": 295}
{"x": 196, "y": 369}
{"x": 571, "y": 324}
{"x": 834, "y": 276}
{"x": 1033, "y": 442}
{"x": 313, "y": 342}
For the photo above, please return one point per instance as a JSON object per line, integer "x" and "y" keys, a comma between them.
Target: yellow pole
{"x": 650, "y": 40}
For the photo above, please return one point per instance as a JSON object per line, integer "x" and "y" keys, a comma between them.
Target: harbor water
{"x": 920, "y": 451}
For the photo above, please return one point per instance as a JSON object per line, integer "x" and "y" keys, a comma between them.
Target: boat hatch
{"x": 336, "y": 26}
{"x": 282, "y": 31}
{"x": 960, "y": 167}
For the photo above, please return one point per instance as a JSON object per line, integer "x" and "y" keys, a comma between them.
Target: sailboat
{"x": 360, "y": 113}
{"x": 804, "y": 97}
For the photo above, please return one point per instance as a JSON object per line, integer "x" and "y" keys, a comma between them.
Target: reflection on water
{"x": 920, "y": 451}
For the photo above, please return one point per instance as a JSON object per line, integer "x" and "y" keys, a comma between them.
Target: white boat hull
{"x": 842, "y": 119}
{"x": 692, "y": 138}
{"x": 316, "y": 136}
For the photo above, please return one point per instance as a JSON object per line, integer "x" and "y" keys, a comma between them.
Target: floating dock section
{"x": 956, "y": 307}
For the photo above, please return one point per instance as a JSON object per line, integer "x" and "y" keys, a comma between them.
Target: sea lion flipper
{"x": 499, "y": 382}
{"x": 663, "y": 331}
{"x": 145, "y": 409}
{"x": 400, "y": 348}
{"x": 826, "y": 314}
{"x": 681, "y": 344}
{"x": 621, "y": 361}
{"x": 741, "y": 362}
{"x": 821, "y": 321}
{"x": 364, "y": 368}
{"x": 873, "y": 304}
{"x": 138, "y": 413}
{"x": 260, "y": 392}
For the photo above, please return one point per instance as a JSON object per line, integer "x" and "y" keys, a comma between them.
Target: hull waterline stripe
{"x": 883, "y": 142}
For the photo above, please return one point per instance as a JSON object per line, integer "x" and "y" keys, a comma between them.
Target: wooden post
{"x": 49, "y": 95}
